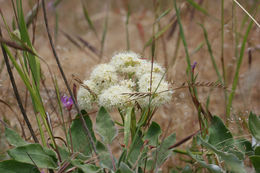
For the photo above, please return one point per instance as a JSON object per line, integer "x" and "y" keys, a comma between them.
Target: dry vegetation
{"x": 79, "y": 60}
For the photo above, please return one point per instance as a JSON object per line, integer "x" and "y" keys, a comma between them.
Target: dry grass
{"x": 80, "y": 60}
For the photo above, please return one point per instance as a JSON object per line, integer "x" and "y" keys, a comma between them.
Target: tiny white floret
{"x": 115, "y": 97}
{"x": 104, "y": 75}
{"x": 145, "y": 68}
{"x": 126, "y": 62}
{"x": 160, "y": 88}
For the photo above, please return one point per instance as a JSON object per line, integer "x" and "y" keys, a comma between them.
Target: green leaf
{"x": 34, "y": 153}
{"x": 90, "y": 23}
{"x": 157, "y": 35}
{"x": 163, "y": 152}
{"x": 33, "y": 60}
{"x": 136, "y": 147}
{"x": 104, "y": 156}
{"x": 64, "y": 153}
{"x": 231, "y": 161}
{"x": 257, "y": 151}
{"x": 12, "y": 166}
{"x": 211, "y": 54}
{"x": 105, "y": 160}
{"x": 198, "y": 7}
{"x": 124, "y": 168}
{"x": 256, "y": 162}
{"x": 153, "y": 134}
{"x": 122, "y": 156}
{"x": 182, "y": 36}
{"x": 221, "y": 138}
{"x": 14, "y": 138}
{"x": 80, "y": 140}
{"x": 105, "y": 126}
{"x": 219, "y": 135}
{"x": 133, "y": 125}
{"x": 211, "y": 167}
{"x": 162, "y": 15}
{"x": 86, "y": 168}
{"x": 254, "y": 125}
{"x": 245, "y": 146}
{"x": 238, "y": 65}
{"x": 100, "y": 147}
{"x": 127, "y": 125}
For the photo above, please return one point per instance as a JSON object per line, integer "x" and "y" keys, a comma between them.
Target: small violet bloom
{"x": 51, "y": 6}
{"x": 67, "y": 102}
{"x": 193, "y": 66}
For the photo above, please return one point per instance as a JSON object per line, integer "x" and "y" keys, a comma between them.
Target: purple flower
{"x": 193, "y": 66}
{"x": 67, "y": 102}
{"x": 51, "y": 6}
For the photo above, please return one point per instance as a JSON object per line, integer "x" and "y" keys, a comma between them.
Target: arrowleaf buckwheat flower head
{"x": 111, "y": 85}
{"x": 115, "y": 97}
{"x": 84, "y": 97}
{"x": 162, "y": 94}
{"x": 126, "y": 62}
{"x": 104, "y": 75}
{"x": 67, "y": 102}
{"x": 145, "y": 68}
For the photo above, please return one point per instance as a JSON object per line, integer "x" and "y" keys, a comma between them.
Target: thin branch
{"x": 17, "y": 93}
{"x": 247, "y": 13}
{"x": 86, "y": 129}
{"x": 183, "y": 140}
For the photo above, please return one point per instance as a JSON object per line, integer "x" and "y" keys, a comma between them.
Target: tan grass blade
{"x": 83, "y": 85}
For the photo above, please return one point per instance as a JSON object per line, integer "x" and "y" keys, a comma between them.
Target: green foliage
{"x": 64, "y": 153}
{"x": 127, "y": 124}
{"x": 89, "y": 21}
{"x": 197, "y": 7}
{"x": 163, "y": 152}
{"x": 182, "y": 36}
{"x": 158, "y": 35}
{"x": 33, "y": 60}
{"x": 136, "y": 147}
{"x": 211, "y": 167}
{"x": 257, "y": 150}
{"x": 153, "y": 134}
{"x": 104, "y": 156}
{"x": 105, "y": 126}
{"x": 238, "y": 65}
{"x": 12, "y": 166}
{"x": 80, "y": 141}
{"x": 14, "y": 138}
{"x": 231, "y": 161}
{"x": 254, "y": 126}
{"x": 34, "y": 154}
{"x": 220, "y": 136}
{"x": 86, "y": 168}
{"x": 256, "y": 162}
{"x": 124, "y": 169}
{"x": 211, "y": 54}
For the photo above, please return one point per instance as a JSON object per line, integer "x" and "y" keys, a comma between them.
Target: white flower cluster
{"x": 110, "y": 84}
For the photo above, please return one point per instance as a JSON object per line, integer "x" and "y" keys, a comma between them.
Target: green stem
{"x": 236, "y": 77}
{"x": 126, "y": 26}
{"x": 222, "y": 50}
{"x": 189, "y": 71}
